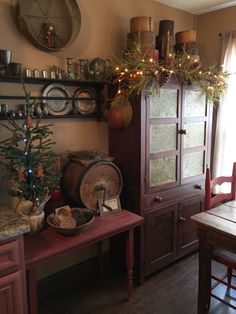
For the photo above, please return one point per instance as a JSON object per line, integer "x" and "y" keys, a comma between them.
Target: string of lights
{"x": 136, "y": 71}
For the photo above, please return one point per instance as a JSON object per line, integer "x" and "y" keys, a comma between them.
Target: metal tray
{"x": 84, "y": 102}
{"x": 57, "y": 107}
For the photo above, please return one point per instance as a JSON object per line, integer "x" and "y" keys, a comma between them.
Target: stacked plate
{"x": 58, "y": 100}
{"x": 84, "y": 102}
{"x": 60, "y": 106}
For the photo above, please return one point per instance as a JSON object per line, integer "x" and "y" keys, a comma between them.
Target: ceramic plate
{"x": 84, "y": 102}
{"x": 57, "y": 107}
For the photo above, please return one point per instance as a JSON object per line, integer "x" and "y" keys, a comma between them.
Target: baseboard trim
{"x": 70, "y": 276}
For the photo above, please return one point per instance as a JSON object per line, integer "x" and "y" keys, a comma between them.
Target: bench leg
{"x": 130, "y": 260}
{"x": 100, "y": 257}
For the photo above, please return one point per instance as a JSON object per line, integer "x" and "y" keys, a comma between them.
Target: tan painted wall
{"x": 105, "y": 24}
{"x": 208, "y": 28}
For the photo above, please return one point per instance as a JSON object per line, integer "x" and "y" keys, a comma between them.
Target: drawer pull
{"x": 158, "y": 198}
{"x": 182, "y": 219}
{"x": 183, "y": 131}
{"x": 198, "y": 186}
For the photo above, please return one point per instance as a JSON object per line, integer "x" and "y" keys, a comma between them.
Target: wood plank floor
{"x": 169, "y": 291}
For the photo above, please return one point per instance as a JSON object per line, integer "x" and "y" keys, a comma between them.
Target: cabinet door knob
{"x": 198, "y": 186}
{"x": 158, "y": 198}
{"x": 182, "y": 219}
{"x": 182, "y": 131}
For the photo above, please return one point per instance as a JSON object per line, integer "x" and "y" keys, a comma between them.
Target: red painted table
{"x": 49, "y": 244}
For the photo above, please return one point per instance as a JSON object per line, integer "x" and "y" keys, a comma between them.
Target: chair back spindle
{"x": 221, "y": 255}
{"x": 213, "y": 199}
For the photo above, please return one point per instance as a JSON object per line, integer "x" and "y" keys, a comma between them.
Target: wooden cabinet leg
{"x": 130, "y": 260}
{"x": 32, "y": 291}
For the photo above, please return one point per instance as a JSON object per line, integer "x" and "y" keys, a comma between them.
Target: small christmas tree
{"x": 31, "y": 166}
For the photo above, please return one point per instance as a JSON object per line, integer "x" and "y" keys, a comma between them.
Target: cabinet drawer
{"x": 9, "y": 256}
{"x": 161, "y": 197}
{"x": 12, "y": 294}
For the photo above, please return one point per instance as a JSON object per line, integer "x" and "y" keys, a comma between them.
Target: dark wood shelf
{"x": 68, "y": 116}
{"x": 47, "y": 98}
{"x": 95, "y": 85}
{"x": 40, "y": 81}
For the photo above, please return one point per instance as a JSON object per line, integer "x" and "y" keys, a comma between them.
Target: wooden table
{"x": 216, "y": 228}
{"x": 49, "y": 244}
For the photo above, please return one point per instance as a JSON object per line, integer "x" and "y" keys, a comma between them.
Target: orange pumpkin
{"x": 120, "y": 113}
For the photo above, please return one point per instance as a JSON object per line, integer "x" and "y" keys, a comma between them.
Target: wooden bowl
{"x": 88, "y": 215}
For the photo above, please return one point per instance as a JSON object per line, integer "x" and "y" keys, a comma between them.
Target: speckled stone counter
{"x": 10, "y": 224}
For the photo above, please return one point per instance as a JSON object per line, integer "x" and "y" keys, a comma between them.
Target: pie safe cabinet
{"x": 162, "y": 156}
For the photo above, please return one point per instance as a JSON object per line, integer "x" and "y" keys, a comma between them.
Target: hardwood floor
{"x": 169, "y": 291}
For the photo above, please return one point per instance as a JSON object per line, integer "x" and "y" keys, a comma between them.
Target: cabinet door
{"x": 163, "y": 122}
{"x": 187, "y": 231}
{"x": 12, "y": 294}
{"x": 160, "y": 238}
{"x": 194, "y": 134}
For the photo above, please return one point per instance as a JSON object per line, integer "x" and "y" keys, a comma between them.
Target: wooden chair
{"x": 224, "y": 257}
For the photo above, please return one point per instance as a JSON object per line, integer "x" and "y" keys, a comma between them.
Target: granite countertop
{"x": 11, "y": 225}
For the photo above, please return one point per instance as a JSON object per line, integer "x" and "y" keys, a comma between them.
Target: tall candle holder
{"x": 69, "y": 74}
{"x": 83, "y": 63}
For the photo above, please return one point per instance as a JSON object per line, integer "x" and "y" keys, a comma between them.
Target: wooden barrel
{"x": 141, "y": 23}
{"x": 83, "y": 182}
{"x": 191, "y": 48}
{"x": 149, "y": 53}
{"x": 165, "y": 45}
{"x": 152, "y": 54}
{"x": 142, "y": 39}
{"x": 185, "y": 37}
{"x": 165, "y": 27}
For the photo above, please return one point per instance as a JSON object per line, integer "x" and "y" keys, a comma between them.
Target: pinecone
{"x": 164, "y": 78}
{"x": 113, "y": 78}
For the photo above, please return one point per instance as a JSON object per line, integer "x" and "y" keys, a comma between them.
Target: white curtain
{"x": 225, "y": 139}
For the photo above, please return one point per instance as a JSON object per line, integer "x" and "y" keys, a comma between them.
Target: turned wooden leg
{"x": 100, "y": 257}
{"x": 32, "y": 291}
{"x": 229, "y": 274}
{"x": 204, "y": 283}
{"x": 130, "y": 260}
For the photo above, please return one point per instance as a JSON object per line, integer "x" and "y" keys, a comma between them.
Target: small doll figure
{"x": 50, "y": 34}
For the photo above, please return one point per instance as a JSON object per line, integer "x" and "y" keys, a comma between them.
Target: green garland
{"x": 137, "y": 70}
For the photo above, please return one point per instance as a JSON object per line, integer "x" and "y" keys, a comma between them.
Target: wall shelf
{"x": 94, "y": 86}
{"x": 41, "y": 81}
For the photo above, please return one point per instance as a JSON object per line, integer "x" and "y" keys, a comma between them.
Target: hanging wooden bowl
{"x": 35, "y": 16}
